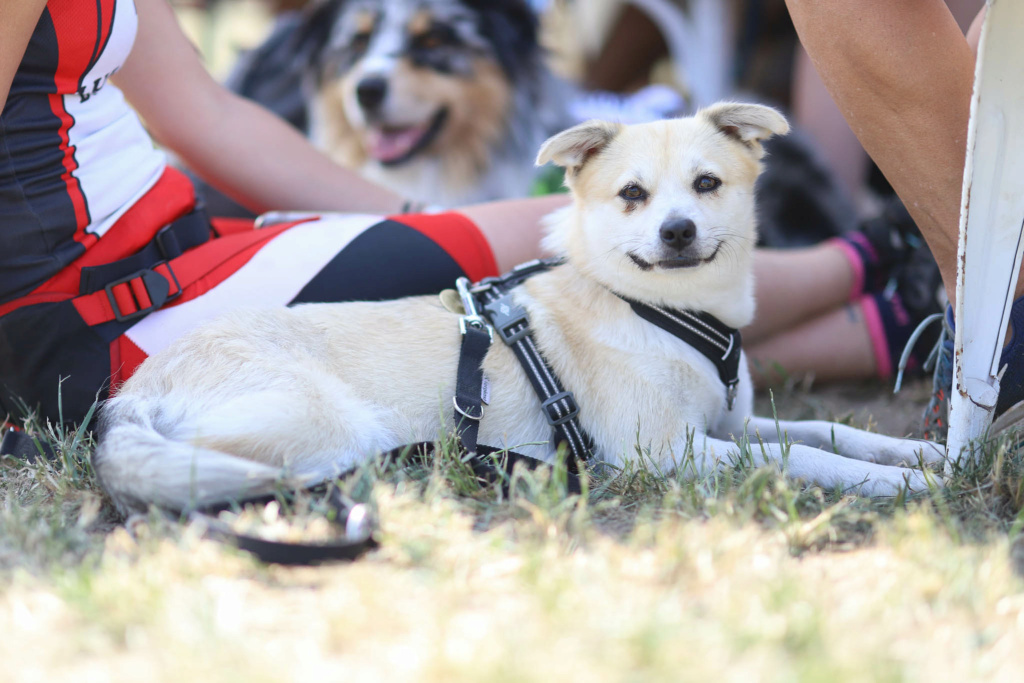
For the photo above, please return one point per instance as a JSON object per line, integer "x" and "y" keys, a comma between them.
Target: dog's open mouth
{"x": 674, "y": 262}
{"x": 393, "y": 145}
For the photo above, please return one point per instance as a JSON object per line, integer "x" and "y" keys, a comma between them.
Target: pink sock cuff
{"x": 876, "y": 333}
{"x": 856, "y": 265}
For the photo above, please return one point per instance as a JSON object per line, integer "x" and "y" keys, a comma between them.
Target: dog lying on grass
{"x": 663, "y": 214}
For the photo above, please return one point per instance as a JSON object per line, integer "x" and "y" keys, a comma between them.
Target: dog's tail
{"x": 139, "y": 466}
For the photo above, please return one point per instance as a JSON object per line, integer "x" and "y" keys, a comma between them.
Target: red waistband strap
{"x": 133, "y": 297}
{"x": 169, "y": 199}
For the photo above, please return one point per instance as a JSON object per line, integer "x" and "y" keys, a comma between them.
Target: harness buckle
{"x": 472, "y": 318}
{"x": 730, "y": 393}
{"x": 157, "y": 288}
{"x": 551, "y": 411}
{"x": 505, "y": 316}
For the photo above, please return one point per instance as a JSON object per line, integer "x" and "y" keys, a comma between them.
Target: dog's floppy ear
{"x": 571, "y": 148}
{"x": 750, "y": 124}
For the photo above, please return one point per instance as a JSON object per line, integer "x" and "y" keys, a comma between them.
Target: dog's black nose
{"x": 371, "y": 91}
{"x": 678, "y": 233}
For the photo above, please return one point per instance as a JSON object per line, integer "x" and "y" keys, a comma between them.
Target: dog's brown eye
{"x": 633, "y": 193}
{"x": 430, "y": 41}
{"x": 438, "y": 36}
{"x": 706, "y": 183}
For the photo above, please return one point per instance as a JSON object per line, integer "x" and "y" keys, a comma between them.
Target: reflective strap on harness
{"x": 715, "y": 340}
{"x": 513, "y": 326}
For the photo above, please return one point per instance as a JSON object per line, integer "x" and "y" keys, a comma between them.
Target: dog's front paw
{"x": 896, "y": 480}
{"x": 909, "y": 453}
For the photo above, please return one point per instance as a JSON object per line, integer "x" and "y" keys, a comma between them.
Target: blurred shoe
{"x": 899, "y": 317}
{"x": 935, "y": 420}
{"x": 1009, "y": 412}
{"x": 651, "y": 103}
{"x": 880, "y": 246}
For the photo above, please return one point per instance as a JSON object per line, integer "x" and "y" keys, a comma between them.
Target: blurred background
{"x": 702, "y": 50}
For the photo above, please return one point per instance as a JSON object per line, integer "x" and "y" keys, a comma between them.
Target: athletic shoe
{"x": 1010, "y": 405}
{"x": 1009, "y": 412}
{"x": 940, "y": 361}
{"x": 911, "y": 301}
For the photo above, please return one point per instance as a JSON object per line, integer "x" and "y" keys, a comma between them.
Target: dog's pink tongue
{"x": 393, "y": 144}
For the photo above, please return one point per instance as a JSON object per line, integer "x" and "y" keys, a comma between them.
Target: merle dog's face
{"x": 414, "y": 77}
{"x": 439, "y": 35}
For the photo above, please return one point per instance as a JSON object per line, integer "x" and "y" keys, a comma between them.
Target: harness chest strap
{"x": 512, "y": 325}
{"x": 477, "y": 336}
{"x": 716, "y": 341}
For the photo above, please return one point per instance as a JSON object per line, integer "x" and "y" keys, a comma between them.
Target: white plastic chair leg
{"x": 991, "y": 225}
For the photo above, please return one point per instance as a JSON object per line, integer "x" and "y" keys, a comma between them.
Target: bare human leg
{"x": 902, "y": 74}
{"x": 795, "y": 285}
{"x": 831, "y": 347}
{"x": 513, "y": 227}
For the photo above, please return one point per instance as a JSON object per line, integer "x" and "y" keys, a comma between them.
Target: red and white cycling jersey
{"x": 73, "y": 155}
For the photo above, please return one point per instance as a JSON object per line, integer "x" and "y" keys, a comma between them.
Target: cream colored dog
{"x": 663, "y": 213}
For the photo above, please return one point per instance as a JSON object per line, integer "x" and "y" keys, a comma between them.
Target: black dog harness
{"x": 716, "y": 341}
{"x": 489, "y": 307}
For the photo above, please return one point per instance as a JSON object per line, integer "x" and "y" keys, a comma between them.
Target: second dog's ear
{"x": 571, "y": 148}
{"x": 748, "y": 123}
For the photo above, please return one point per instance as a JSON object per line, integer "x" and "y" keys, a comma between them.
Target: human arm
{"x": 236, "y": 145}
{"x": 18, "y": 18}
{"x": 253, "y": 156}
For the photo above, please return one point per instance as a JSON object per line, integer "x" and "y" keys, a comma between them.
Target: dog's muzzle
{"x": 678, "y": 233}
{"x": 370, "y": 93}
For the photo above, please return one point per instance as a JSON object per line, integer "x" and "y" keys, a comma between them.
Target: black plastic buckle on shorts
{"x": 167, "y": 242}
{"x": 157, "y": 287}
{"x": 551, "y": 410}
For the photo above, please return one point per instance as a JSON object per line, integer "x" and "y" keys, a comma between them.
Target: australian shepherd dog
{"x": 443, "y": 101}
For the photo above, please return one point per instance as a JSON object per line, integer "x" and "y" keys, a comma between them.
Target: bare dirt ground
{"x": 869, "y": 404}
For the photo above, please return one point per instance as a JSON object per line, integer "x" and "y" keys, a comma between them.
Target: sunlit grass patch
{"x": 644, "y": 575}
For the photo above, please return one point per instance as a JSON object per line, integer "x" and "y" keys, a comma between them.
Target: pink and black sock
{"x": 889, "y": 328}
{"x": 869, "y": 272}
{"x": 878, "y": 246}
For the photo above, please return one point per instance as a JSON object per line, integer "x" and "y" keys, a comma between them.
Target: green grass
{"x": 645, "y": 576}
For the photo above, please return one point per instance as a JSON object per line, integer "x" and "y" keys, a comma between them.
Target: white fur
{"x": 261, "y": 395}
